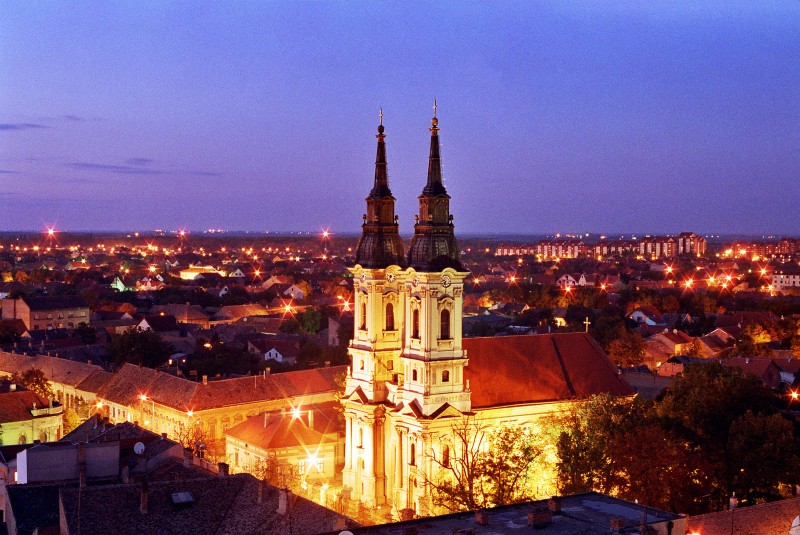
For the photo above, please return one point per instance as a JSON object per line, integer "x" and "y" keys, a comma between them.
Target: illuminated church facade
{"x": 413, "y": 375}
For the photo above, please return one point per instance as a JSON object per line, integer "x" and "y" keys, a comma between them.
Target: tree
{"x": 757, "y": 466}
{"x": 628, "y": 350}
{"x": 796, "y": 346}
{"x": 481, "y": 467}
{"x": 138, "y": 346}
{"x": 696, "y": 349}
{"x": 86, "y": 334}
{"x": 34, "y": 380}
{"x": 585, "y": 451}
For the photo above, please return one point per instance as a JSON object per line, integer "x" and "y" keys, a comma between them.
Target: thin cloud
{"x": 120, "y": 169}
{"x": 7, "y": 172}
{"x": 21, "y": 126}
{"x": 138, "y": 161}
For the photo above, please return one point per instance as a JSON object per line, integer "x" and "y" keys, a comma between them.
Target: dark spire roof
{"x": 434, "y": 186}
{"x": 434, "y": 245}
{"x": 381, "y": 187}
{"x": 380, "y": 245}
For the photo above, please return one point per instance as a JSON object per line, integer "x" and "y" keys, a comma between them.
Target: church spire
{"x": 381, "y": 187}
{"x": 434, "y": 186}
{"x": 380, "y": 245}
{"x": 434, "y": 246}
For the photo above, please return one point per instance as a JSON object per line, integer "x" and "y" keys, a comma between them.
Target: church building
{"x": 413, "y": 376}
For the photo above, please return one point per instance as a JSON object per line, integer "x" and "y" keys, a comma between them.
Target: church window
{"x": 414, "y": 375}
{"x": 446, "y": 456}
{"x": 361, "y": 364}
{"x": 415, "y": 324}
{"x": 360, "y": 438}
{"x": 363, "y": 316}
{"x": 412, "y": 456}
{"x": 444, "y": 324}
{"x": 389, "y": 317}
{"x": 446, "y": 376}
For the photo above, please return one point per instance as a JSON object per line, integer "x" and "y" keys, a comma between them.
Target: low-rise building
{"x": 47, "y": 311}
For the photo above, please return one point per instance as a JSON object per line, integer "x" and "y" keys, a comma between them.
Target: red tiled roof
{"x": 510, "y": 370}
{"x": 16, "y": 406}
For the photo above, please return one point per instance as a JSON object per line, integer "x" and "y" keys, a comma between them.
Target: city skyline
{"x": 579, "y": 118}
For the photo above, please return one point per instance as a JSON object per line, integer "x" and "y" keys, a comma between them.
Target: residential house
{"x": 279, "y": 350}
{"x": 43, "y": 312}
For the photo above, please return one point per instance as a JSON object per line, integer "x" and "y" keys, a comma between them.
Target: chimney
{"x": 540, "y": 518}
{"x": 223, "y": 469}
{"x": 481, "y": 518}
{"x": 554, "y": 504}
{"x": 143, "y": 500}
{"x": 205, "y": 379}
{"x": 284, "y": 495}
{"x": 163, "y": 436}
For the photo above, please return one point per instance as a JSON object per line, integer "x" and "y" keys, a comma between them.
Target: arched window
{"x": 446, "y": 376}
{"x": 23, "y": 439}
{"x": 415, "y": 324}
{"x": 446, "y": 456}
{"x": 412, "y": 456}
{"x": 444, "y": 324}
{"x": 414, "y": 375}
{"x": 363, "y": 316}
{"x": 389, "y": 317}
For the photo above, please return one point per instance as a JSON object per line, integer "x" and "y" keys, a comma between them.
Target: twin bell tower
{"x": 407, "y": 361}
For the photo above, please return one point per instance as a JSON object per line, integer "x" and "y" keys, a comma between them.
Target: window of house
{"x": 389, "y": 317}
{"x": 444, "y": 324}
{"x": 412, "y": 456}
{"x": 446, "y": 376}
{"x": 414, "y": 374}
{"x": 415, "y": 324}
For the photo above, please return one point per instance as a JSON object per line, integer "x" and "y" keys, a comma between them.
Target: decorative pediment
{"x": 446, "y": 411}
{"x": 358, "y": 395}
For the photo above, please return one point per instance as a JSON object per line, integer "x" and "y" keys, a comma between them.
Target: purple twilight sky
{"x": 555, "y": 116}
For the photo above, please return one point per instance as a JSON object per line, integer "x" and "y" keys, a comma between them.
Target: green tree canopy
{"x": 139, "y": 346}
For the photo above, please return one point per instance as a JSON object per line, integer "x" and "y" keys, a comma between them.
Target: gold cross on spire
{"x": 380, "y": 114}
{"x": 434, "y": 108}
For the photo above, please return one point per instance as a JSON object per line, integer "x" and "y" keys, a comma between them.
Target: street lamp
{"x": 144, "y": 397}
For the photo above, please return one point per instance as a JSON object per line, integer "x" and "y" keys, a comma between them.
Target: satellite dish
{"x": 138, "y": 448}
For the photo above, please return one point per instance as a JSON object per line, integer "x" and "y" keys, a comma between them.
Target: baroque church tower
{"x": 407, "y": 362}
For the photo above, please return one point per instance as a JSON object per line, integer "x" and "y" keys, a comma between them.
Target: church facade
{"x": 413, "y": 375}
